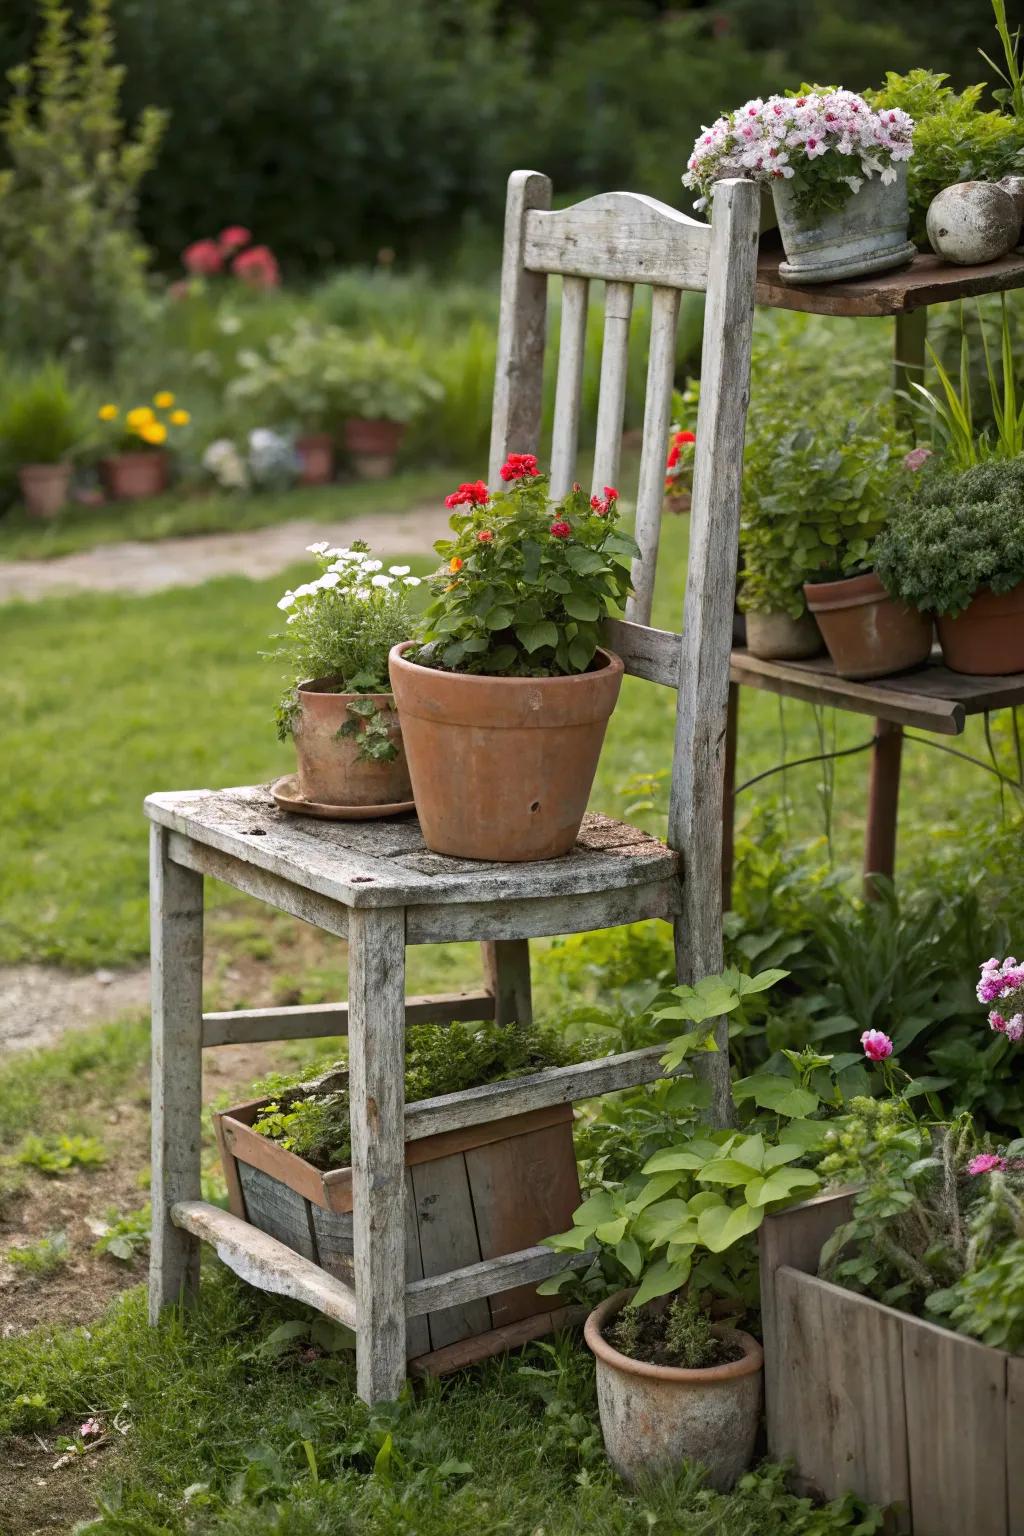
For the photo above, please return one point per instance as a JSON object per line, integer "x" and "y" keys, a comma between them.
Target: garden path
{"x": 188, "y": 562}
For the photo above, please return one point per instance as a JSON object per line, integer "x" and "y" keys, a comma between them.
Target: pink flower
{"x": 203, "y": 257}
{"x": 985, "y": 1162}
{"x": 258, "y": 267}
{"x": 997, "y": 1022}
{"x": 91, "y": 1427}
{"x": 234, "y": 236}
{"x": 560, "y": 529}
{"x": 916, "y": 458}
{"x": 1015, "y": 1028}
{"x": 877, "y": 1045}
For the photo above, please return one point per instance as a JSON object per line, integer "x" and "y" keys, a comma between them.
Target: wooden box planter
{"x": 471, "y": 1194}
{"x": 861, "y": 1397}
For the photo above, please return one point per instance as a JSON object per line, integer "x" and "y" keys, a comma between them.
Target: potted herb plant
{"x": 298, "y": 383}
{"x": 41, "y": 422}
{"x": 338, "y": 709}
{"x": 505, "y": 699}
{"x": 837, "y": 171}
{"x": 386, "y": 387}
{"x": 136, "y": 464}
{"x": 672, "y": 1383}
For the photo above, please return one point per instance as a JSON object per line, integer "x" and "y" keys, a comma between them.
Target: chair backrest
{"x": 625, "y": 239}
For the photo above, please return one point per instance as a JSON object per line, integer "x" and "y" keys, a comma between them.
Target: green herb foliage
{"x": 678, "y": 1335}
{"x": 42, "y": 417}
{"x": 951, "y": 534}
{"x": 43, "y": 1257}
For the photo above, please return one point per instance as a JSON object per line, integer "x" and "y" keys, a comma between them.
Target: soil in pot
{"x": 134, "y": 476}
{"x": 329, "y": 731}
{"x": 502, "y": 767}
{"x": 316, "y": 458}
{"x": 987, "y": 639}
{"x": 44, "y": 488}
{"x": 777, "y": 637}
{"x": 868, "y": 633}
{"x": 373, "y": 446}
{"x": 655, "y": 1416}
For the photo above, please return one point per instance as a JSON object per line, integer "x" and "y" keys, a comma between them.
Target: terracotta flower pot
{"x": 44, "y": 488}
{"x": 987, "y": 639}
{"x": 777, "y": 637}
{"x": 373, "y": 446}
{"x": 330, "y": 769}
{"x": 653, "y": 1417}
{"x": 502, "y": 766}
{"x": 868, "y": 633}
{"x": 316, "y": 458}
{"x": 135, "y": 476}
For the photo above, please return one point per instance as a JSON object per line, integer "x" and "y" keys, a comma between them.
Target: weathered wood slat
{"x": 518, "y": 918}
{"x": 246, "y": 1025}
{"x": 279, "y": 1211}
{"x": 569, "y": 385}
{"x": 519, "y": 369}
{"x": 441, "y": 1362}
{"x": 459, "y": 1287}
{"x": 623, "y": 237}
{"x": 264, "y": 1262}
{"x": 507, "y": 975}
{"x": 926, "y": 280}
{"x": 611, "y": 400}
{"x": 448, "y": 1242}
{"x": 955, "y": 1393}
{"x": 661, "y": 363}
{"x": 235, "y": 869}
{"x": 839, "y": 1397}
{"x": 698, "y": 761}
{"x": 911, "y": 699}
{"x": 652, "y": 654}
{"x": 176, "y": 948}
{"x": 1014, "y": 1440}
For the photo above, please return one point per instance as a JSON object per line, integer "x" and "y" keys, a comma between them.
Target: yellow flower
{"x": 164, "y": 399}
{"x": 107, "y": 413}
{"x": 180, "y": 418}
{"x": 153, "y": 432}
{"x": 140, "y": 417}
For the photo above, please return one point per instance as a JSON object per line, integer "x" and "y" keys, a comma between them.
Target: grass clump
{"x": 60, "y": 1154}
{"x": 42, "y": 1257}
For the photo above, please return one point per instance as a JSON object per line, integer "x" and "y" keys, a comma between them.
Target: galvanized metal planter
{"x": 868, "y": 234}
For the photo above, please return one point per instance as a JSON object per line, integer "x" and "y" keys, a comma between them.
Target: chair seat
{"x": 387, "y": 864}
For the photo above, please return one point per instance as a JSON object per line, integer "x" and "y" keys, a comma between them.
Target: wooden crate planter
{"x": 471, "y": 1194}
{"x": 861, "y": 1397}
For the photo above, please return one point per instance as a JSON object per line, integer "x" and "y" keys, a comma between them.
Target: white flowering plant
{"x": 341, "y": 626}
{"x": 827, "y": 141}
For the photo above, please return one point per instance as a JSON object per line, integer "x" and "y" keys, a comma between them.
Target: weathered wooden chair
{"x": 375, "y": 884}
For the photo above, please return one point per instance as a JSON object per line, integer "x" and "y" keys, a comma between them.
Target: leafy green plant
{"x": 987, "y": 1303}
{"x": 61, "y": 1154}
{"x": 525, "y": 582}
{"x": 42, "y": 416}
{"x": 1011, "y": 94}
{"x": 952, "y": 417}
{"x": 41, "y": 1258}
{"x": 678, "y": 1335}
{"x": 126, "y": 1237}
{"x": 387, "y": 383}
{"x": 950, "y": 534}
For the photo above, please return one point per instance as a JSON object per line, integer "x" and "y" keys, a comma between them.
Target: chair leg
{"x": 176, "y": 917}
{"x": 507, "y": 976}
{"x": 732, "y": 727}
{"x": 883, "y": 805}
{"x": 376, "y": 1036}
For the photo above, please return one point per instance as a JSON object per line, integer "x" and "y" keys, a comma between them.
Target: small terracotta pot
{"x": 330, "y": 769}
{"x": 134, "y": 476}
{"x": 777, "y": 637}
{"x": 502, "y": 767}
{"x": 316, "y": 458}
{"x": 868, "y": 633}
{"x": 987, "y": 639}
{"x": 653, "y": 1417}
{"x": 373, "y": 446}
{"x": 44, "y": 488}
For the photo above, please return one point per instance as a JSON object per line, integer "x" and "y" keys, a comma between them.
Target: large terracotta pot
{"x": 653, "y": 1417}
{"x": 868, "y": 633}
{"x": 316, "y": 458}
{"x": 373, "y": 446}
{"x": 502, "y": 766}
{"x": 777, "y": 637}
{"x": 44, "y": 488}
{"x": 134, "y": 476}
{"x": 987, "y": 639}
{"x": 330, "y": 769}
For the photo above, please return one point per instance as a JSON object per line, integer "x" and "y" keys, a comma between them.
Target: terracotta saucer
{"x": 286, "y": 792}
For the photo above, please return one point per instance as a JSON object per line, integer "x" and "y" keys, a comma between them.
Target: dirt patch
{"x": 40, "y": 1491}
{"x": 39, "y": 1003}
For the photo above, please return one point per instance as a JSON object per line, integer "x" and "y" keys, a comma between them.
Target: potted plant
{"x": 136, "y": 463}
{"x": 837, "y": 171}
{"x": 338, "y": 708}
{"x": 672, "y": 1383}
{"x": 41, "y": 422}
{"x": 505, "y": 699}
{"x": 299, "y": 383}
{"x": 287, "y": 1159}
{"x": 386, "y": 387}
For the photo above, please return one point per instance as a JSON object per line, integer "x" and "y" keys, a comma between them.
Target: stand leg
{"x": 507, "y": 976}
{"x": 732, "y": 726}
{"x": 376, "y": 1042}
{"x": 883, "y": 804}
{"x": 176, "y": 918}
{"x": 908, "y": 360}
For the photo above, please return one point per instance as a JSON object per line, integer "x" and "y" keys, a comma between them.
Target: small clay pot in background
{"x": 330, "y": 768}
{"x": 316, "y": 458}
{"x": 44, "y": 488}
{"x": 777, "y": 637}
{"x": 134, "y": 476}
{"x": 868, "y": 633}
{"x": 373, "y": 446}
{"x": 987, "y": 639}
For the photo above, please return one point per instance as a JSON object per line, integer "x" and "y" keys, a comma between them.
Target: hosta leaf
{"x": 661, "y": 1278}
{"x": 780, "y": 1094}
{"x": 786, "y": 1152}
{"x": 780, "y": 1184}
{"x": 722, "y": 1227}
{"x": 660, "y": 1222}
{"x": 597, "y": 1208}
{"x": 728, "y": 1171}
{"x": 673, "y": 1158}
{"x": 653, "y": 1190}
{"x": 611, "y": 1231}
{"x": 628, "y": 1254}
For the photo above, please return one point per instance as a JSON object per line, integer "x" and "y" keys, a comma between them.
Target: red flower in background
{"x": 258, "y": 267}
{"x": 234, "y": 237}
{"x": 520, "y": 466}
{"x": 560, "y": 530}
{"x": 203, "y": 258}
{"x": 603, "y": 505}
{"x": 471, "y": 493}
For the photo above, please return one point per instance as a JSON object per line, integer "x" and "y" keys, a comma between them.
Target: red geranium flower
{"x": 519, "y": 466}
{"x": 203, "y": 257}
{"x": 471, "y": 493}
{"x": 485, "y": 536}
{"x": 686, "y": 437}
{"x": 258, "y": 267}
{"x": 560, "y": 530}
{"x": 234, "y": 237}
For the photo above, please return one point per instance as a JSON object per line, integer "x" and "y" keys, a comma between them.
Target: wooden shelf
{"x": 926, "y": 280}
{"x": 930, "y": 699}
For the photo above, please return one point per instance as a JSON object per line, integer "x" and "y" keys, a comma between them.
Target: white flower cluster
{"x": 769, "y": 140}
{"x": 353, "y": 571}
